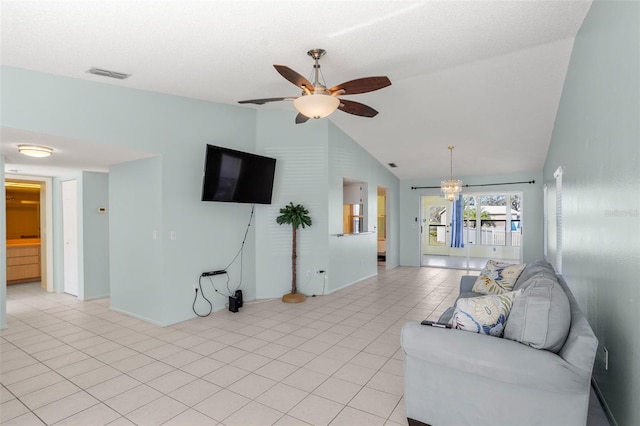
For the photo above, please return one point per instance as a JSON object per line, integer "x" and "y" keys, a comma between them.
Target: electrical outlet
{"x": 606, "y": 358}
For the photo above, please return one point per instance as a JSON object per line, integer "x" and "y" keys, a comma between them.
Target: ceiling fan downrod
{"x": 316, "y": 54}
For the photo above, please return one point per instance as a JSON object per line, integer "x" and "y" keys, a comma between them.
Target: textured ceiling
{"x": 484, "y": 76}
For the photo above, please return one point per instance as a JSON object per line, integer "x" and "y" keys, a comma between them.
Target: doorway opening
{"x": 381, "y": 226}
{"x": 491, "y": 229}
{"x": 29, "y": 230}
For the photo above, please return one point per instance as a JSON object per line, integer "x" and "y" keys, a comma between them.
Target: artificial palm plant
{"x": 296, "y": 216}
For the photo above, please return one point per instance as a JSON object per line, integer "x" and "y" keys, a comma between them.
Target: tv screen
{"x": 237, "y": 177}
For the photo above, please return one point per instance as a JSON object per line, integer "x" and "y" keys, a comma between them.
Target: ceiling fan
{"x": 316, "y": 101}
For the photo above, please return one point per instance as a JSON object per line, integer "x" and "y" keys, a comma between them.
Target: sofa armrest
{"x": 466, "y": 283}
{"x": 493, "y": 358}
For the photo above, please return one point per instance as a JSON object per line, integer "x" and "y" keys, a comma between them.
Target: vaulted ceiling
{"x": 484, "y": 76}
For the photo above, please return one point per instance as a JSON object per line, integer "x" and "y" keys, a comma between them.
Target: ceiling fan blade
{"x": 362, "y": 85}
{"x": 294, "y": 77}
{"x": 356, "y": 108}
{"x": 265, "y": 100}
{"x": 301, "y": 118}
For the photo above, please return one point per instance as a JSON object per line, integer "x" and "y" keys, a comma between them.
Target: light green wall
{"x": 354, "y": 257}
{"x": 93, "y": 234}
{"x": 596, "y": 141}
{"x": 154, "y": 278}
{"x": 300, "y": 151}
{"x": 532, "y": 210}
{"x": 177, "y": 130}
{"x": 137, "y": 265}
{"x": 313, "y": 158}
{"x": 95, "y": 194}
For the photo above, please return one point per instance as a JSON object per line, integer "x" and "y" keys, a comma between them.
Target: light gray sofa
{"x": 455, "y": 377}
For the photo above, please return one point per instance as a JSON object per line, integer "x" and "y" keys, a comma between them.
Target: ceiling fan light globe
{"x": 317, "y": 105}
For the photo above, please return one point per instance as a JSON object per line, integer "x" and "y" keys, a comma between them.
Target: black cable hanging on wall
{"x": 480, "y": 184}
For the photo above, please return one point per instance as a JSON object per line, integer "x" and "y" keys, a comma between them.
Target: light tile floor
{"x": 334, "y": 359}
{"x": 457, "y": 262}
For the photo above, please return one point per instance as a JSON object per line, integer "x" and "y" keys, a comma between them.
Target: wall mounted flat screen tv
{"x": 237, "y": 177}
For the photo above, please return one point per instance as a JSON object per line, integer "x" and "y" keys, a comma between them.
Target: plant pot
{"x": 293, "y": 298}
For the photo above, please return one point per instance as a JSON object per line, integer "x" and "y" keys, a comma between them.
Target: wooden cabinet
{"x": 23, "y": 263}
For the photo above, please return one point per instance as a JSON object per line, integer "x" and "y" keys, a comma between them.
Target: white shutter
{"x": 558, "y": 176}
{"x": 545, "y": 222}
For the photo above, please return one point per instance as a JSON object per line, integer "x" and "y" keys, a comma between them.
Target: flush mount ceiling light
{"x": 451, "y": 188}
{"x": 35, "y": 150}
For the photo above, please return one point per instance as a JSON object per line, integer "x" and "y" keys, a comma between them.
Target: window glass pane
{"x": 437, "y": 225}
{"x": 469, "y": 216}
{"x": 437, "y": 235}
{"x": 516, "y": 224}
{"x": 493, "y": 212}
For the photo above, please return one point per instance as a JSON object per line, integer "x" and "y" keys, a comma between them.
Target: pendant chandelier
{"x": 451, "y": 188}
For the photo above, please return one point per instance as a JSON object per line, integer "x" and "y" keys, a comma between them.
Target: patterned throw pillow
{"x": 497, "y": 277}
{"x": 484, "y": 314}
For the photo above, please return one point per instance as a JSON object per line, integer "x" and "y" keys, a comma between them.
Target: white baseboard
{"x": 140, "y": 317}
{"x": 351, "y": 283}
{"x": 100, "y": 296}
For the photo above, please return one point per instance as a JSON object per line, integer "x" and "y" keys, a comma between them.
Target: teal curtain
{"x": 457, "y": 222}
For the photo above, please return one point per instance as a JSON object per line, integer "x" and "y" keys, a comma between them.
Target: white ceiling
{"x": 484, "y": 76}
{"x": 70, "y": 155}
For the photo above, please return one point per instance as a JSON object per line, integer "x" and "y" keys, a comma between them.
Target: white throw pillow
{"x": 484, "y": 314}
{"x": 497, "y": 277}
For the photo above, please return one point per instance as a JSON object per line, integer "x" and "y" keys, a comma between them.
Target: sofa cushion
{"x": 531, "y": 270}
{"x": 497, "y": 277}
{"x": 540, "y": 317}
{"x": 483, "y": 314}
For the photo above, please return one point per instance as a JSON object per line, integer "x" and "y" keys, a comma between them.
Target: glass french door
{"x": 492, "y": 227}
{"x": 435, "y": 226}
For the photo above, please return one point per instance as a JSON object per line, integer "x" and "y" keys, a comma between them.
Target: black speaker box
{"x": 233, "y": 304}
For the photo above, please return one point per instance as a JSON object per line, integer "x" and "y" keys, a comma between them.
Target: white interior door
{"x": 70, "y": 236}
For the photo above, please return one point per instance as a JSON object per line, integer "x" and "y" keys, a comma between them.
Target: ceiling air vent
{"x": 392, "y": 165}
{"x": 107, "y": 73}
